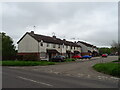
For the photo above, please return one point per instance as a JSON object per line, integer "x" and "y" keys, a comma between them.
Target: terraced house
{"x": 45, "y": 47}
{"x": 88, "y": 49}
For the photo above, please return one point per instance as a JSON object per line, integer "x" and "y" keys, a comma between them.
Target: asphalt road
{"x": 22, "y": 78}
{"x": 13, "y": 78}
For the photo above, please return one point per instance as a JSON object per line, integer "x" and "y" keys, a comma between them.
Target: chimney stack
{"x": 54, "y": 36}
{"x": 64, "y": 39}
{"x": 32, "y": 32}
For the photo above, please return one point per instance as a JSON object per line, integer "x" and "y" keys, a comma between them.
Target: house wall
{"x": 90, "y": 48}
{"x": 95, "y": 49}
{"x": 84, "y": 47}
{"x": 44, "y": 47}
{"x": 63, "y": 49}
{"x": 28, "y": 45}
{"x": 79, "y": 49}
{"x": 60, "y": 50}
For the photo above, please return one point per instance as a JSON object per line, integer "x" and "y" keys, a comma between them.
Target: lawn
{"x": 111, "y": 68}
{"x": 25, "y": 63}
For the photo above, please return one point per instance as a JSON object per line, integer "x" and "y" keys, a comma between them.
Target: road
{"x": 28, "y": 78}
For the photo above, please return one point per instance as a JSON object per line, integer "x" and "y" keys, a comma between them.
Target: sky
{"x": 92, "y": 22}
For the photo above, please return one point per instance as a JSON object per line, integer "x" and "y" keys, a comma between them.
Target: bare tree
{"x": 116, "y": 47}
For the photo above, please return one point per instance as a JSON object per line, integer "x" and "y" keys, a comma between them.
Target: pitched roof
{"x": 87, "y": 44}
{"x": 49, "y": 39}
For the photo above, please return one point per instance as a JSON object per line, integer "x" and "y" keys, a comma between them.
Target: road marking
{"x": 35, "y": 81}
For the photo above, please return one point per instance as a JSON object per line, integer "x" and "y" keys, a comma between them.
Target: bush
{"x": 25, "y": 63}
{"x": 108, "y": 68}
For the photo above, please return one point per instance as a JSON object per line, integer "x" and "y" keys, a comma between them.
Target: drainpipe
{"x": 38, "y": 52}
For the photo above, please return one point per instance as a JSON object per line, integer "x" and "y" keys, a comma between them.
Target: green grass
{"x": 116, "y": 61}
{"x": 25, "y": 63}
{"x": 110, "y": 68}
{"x": 69, "y": 59}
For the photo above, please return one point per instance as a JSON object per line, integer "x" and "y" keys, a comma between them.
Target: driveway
{"x": 80, "y": 68}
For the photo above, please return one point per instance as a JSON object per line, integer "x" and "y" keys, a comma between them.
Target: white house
{"x": 88, "y": 49}
{"x": 45, "y": 47}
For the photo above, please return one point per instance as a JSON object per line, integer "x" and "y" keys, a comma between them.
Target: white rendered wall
{"x": 28, "y": 45}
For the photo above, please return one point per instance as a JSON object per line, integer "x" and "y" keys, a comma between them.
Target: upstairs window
{"x": 41, "y": 44}
{"x": 54, "y": 45}
{"x": 58, "y": 46}
{"x": 47, "y": 44}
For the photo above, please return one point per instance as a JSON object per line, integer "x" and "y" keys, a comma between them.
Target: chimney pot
{"x": 32, "y": 32}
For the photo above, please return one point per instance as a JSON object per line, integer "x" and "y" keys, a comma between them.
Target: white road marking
{"x": 35, "y": 81}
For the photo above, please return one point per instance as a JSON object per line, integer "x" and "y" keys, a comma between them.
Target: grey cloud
{"x": 92, "y": 22}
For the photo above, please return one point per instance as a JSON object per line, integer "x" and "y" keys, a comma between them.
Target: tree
{"x": 104, "y": 50}
{"x": 115, "y": 47}
{"x": 0, "y": 46}
{"x": 8, "y": 48}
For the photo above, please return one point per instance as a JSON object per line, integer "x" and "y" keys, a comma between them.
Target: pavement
{"x": 80, "y": 68}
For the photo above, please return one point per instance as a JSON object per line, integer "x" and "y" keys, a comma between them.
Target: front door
{"x": 50, "y": 55}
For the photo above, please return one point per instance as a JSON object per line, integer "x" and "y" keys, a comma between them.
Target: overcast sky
{"x": 95, "y": 23}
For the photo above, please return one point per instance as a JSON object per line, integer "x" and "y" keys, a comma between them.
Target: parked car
{"x": 77, "y": 56}
{"x": 104, "y": 55}
{"x": 86, "y": 57}
{"x": 58, "y": 58}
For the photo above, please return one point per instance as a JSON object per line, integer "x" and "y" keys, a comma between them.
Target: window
{"x": 42, "y": 55}
{"x": 47, "y": 44}
{"x": 58, "y": 46}
{"x": 41, "y": 44}
{"x": 53, "y": 45}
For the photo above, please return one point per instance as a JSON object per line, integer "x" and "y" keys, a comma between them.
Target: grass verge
{"x": 69, "y": 59}
{"x": 108, "y": 68}
{"x": 116, "y": 61}
{"x": 25, "y": 63}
